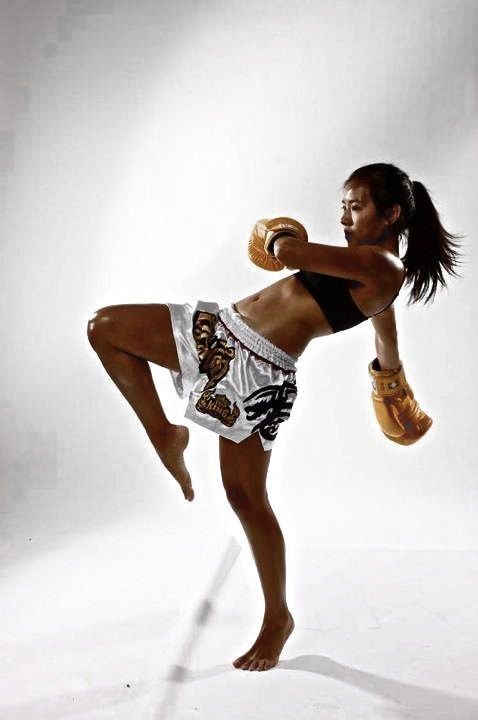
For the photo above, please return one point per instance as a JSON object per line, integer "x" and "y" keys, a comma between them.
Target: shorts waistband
{"x": 255, "y": 342}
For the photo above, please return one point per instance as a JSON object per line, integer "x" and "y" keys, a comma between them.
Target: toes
{"x": 246, "y": 662}
{"x": 187, "y": 488}
{"x": 188, "y": 492}
{"x": 238, "y": 662}
{"x": 246, "y": 657}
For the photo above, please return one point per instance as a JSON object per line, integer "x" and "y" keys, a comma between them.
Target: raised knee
{"x": 100, "y": 325}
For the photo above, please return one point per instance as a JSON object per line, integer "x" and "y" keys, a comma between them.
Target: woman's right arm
{"x": 386, "y": 339}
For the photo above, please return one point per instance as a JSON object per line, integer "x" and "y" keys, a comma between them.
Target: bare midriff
{"x": 287, "y": 314}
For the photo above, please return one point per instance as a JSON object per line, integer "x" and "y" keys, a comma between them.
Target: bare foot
{"x": 265, "y": 652}
{"x": 170, "y": 445}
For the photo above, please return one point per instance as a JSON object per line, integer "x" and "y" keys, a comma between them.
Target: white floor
{"x": 94, "y": 626}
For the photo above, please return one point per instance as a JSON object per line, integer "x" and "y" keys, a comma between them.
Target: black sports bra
{"x": 334, "y": 299}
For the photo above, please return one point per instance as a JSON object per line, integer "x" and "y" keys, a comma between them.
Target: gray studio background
{"x": 139, "y": 143}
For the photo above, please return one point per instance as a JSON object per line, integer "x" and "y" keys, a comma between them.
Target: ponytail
{"x": 430, "y": 248}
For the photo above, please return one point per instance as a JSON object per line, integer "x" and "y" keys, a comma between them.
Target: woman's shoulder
{"x": 388, "y": 257}
{"x": 386, "y": 281}
{"x": 388, "y": 263}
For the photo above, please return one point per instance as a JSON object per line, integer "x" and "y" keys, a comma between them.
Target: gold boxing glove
{"x": 398, "y": 413}
{"x": 263, "y": 236}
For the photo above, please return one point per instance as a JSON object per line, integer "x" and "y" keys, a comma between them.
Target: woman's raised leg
{"x": 126, "y": 338}
{"x": 244, "y": 470}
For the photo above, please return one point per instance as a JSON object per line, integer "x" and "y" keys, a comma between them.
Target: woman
{"x": 249, "y": 350}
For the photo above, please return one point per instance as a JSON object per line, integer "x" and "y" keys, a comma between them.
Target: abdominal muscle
{"x": 286, "y": 314}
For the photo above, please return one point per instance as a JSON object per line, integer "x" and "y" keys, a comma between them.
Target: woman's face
{"x": 360, "y": 220}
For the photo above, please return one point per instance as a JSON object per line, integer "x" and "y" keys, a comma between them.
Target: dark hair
{"x": 430, "y": 248}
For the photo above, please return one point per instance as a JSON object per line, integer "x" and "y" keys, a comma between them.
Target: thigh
{"x": 244, "y": 467}
{"x": 142, "y": 330}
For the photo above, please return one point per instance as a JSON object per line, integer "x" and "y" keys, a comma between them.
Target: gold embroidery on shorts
{"x": 214, "y": 360}
{"x": 219, "y": 406}
{"x": 204, "y": 324}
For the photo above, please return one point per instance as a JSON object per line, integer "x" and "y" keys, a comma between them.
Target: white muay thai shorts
{"x": 236, "y": 381}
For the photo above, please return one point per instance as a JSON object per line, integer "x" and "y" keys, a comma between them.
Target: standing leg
{"x": 126, "y": 337}
{"x": 244, "y": 470}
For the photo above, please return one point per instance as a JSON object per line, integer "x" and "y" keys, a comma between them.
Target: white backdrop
{"x": 139, "y": 143}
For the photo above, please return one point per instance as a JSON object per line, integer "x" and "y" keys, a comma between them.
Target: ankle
{"x": 158, "y": 435}
{"x": 277, "y": 616}
{"x": 166, "y": 428}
